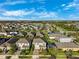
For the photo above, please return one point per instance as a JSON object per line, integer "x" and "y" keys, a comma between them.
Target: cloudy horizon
{"x": 39, "y": 10}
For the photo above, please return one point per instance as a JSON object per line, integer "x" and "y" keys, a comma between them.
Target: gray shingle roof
{"x": 38, "y": 40}
{"x": 5, "y": 44}
{"x": 22, "y": 40}
{"x": 56, "y": 35}
{"x": 66, "y": 45}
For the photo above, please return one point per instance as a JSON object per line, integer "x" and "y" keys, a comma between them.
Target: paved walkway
{"x": 16, "y": 56}
{"x": 35, "y": 57}
{"x": 35, "y": 54}
{"x": 17, "y": 53}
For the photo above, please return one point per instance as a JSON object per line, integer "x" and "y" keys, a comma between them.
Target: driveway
{"x": 35, "y": 54}
{"x": 35, "y": 57}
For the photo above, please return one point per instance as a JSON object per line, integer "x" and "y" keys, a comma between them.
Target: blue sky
{"x": 39, "y": 10}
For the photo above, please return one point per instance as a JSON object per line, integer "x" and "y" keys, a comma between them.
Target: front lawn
{"x": 58, "y": 53}
{"x": 75, "y": 53}
{"x": 25, "y": 57}
{"x": 44, "y": 57}
{"x": 8, "y": 57}
{"x": 52, "y": 41}
{"x": 1, "y": 51}
{"x": 24, "y": 51}
{"x": 52, "y": 51}
{"x": 13, "y": 49}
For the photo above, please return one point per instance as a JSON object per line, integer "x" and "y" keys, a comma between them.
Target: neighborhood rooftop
{"x": 22, "y": 40}
{"x": 67, "y": 45}
{"x": 38, "y": 40}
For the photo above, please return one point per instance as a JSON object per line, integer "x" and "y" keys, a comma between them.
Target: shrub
{"x": 0, "y": 50}
{"x": 8, "y": 57}
{"x": 25, "y": 52}
{"x": 24, "y": 56}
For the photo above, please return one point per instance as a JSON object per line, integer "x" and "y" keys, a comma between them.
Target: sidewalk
{"x": 16, "y": 56}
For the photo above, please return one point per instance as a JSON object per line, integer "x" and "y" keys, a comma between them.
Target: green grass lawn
{"x": 75, "y": 53}
{"x": 43, "y": 57}
{"x": 61, "y": 55}
{"x": 26, "y": 52}
{"x": 25, "y": 57}
{"x": 8, "y": 57}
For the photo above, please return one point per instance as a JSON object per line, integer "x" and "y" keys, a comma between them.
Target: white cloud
{"x": 63, "y": 5}
{"x": 16, "y": 2}
{"x": 48, "y": 15}
{"x": 32, "y": 13}
{"x": 3, "y": 18}
{"x": 17, "y": 13}
{"x": 40, "y": 1}
{"x": 12, "y": 3}
{"x": 73, "y": 4}
{"x": 73, "y": 17}
{"x": 29, "y": 14}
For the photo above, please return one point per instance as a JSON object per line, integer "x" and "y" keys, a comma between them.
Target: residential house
{"x": 5, "y": 45}
{"x": 67, "y": 46}
{"x": 65, "y": 39}
{"x": 13, "y": 33}
{"x": 22, "y": 43}
{"x": 3, "y": 33}
{"x": 60, "y": 37}
{"x": 77, "y": 24}
{"x": 38, "y": 34}
{"x": 6, "y": 42}
{"x": 3, "y": 40}
{"x": 55, "y": 35}
{"x": 39, "y": 43}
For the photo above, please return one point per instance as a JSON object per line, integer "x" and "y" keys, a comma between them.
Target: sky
{"x": 39, "y": 10}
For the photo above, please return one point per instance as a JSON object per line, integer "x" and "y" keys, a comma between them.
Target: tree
{"x": 1, "y": 51}
{"x": 24, "y": 33}
{"x": 53, "y": 52}
{"x": 13, "y": 49}
{"x": 25, "y": 51}
{"x": 68, "y": 53}
{"x": 8, "y": 57}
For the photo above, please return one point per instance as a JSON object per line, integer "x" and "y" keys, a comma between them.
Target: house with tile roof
{"x": 60, "y": 37}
